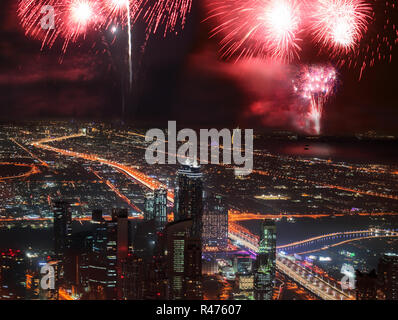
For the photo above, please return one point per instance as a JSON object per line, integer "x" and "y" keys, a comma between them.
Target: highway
{"x": 33, "y": 170}
{"x": 314, "y": 283}
{"x": 346, "y": 237}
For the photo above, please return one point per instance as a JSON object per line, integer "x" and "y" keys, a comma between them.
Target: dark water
{"x": 305, "y": 228}
{"x": 378, "y": 152}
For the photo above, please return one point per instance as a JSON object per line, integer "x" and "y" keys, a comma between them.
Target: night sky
{"x": 177, "y": 78}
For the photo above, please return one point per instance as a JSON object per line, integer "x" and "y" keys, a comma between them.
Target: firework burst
{"x": 79, "y": 16}
{"x": 263, "y": 28}
{"x": 314, "y": 85}
{"x": 72, "y": 19}
{"x": 340, "y": 24}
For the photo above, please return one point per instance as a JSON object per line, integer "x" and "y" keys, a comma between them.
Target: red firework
{"x": 80, "y": 16}
{"x": 72, "y": 19}
{"x": 264, "y": 28}
{"x": 379, "y": 41}
{"x": 30, "y": 13}
{"x": 339, "y": 24}
{"x": 121, "y": 11}
{"x": 315, "y": 84}
{"x": 166, "y": 13}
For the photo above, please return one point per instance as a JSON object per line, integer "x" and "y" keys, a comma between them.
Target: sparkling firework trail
{"x": 315, "y": 84}
{"x": 130, "y": 45}
{"x": 30, "y": 15}
{"x": 339, "y": 24}
{"x": 366, "y": 34}
{"x": 380, "y": 39}
{"x": 72, "y": 19}
{"x": 120, "y": 11}
{"x": 264, "y": 28}
{"x": 167, "y": 13}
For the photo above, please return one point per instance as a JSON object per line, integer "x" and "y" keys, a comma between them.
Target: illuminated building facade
{"x": 160, "y": 208}
{"x": 149, "y": 206}
{"x": 32, "y": 284}
{"x": 245, "y": 285}
{"x": 183, "y": 261}
{"x": 62, "y": 228}
{"x": 189, "y": 196}
{"x": 264, "y": 270}
{"x": 243, "y": 264}
{"x": 102, "y": 266}
{"x": 12, "y": 274}
{"x": 388, "y": 274}
{"x": 215, "y": 224}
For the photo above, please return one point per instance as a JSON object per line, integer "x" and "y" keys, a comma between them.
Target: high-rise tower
{"x": 215, "y": 223}
{"x": 62, "y": 228}
{"x": 189, "y": 196}
{"x": 149, "y": 206}
{"x": 160, "y": 208}
{"x": 264, "y": 275}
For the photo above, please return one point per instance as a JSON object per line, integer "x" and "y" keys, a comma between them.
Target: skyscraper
{"x": 102, "y": 267}
{"x": 183, "y": 261}
{"x": 388, "y": 273}
{"x": 63, "y": 241}
{"x": 62, "y": 228}
{"x": 215, "y": 224}
{"x": 98, "y": 267}
{"x": 192, "y": 269}
{"x": 160, "y": 208}
{"x": 133, "y": 278}
{"x": 148, "y": 206}
{"x": 121, "y": 233}
{"x": 118, "y": 241}
{"x": 189, "y": 196}
{"x": 264, "y": 275}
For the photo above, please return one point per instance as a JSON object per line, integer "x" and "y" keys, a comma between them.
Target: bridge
{"x": 287, "y": 265}
{"x": 331, "y": 240}
{"x": 243, "y": 237}
{"x": 236, "y": 216}
{"x": 313, "y": 282}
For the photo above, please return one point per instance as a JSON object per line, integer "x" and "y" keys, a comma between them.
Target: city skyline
{"x": 96, "y": 168}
